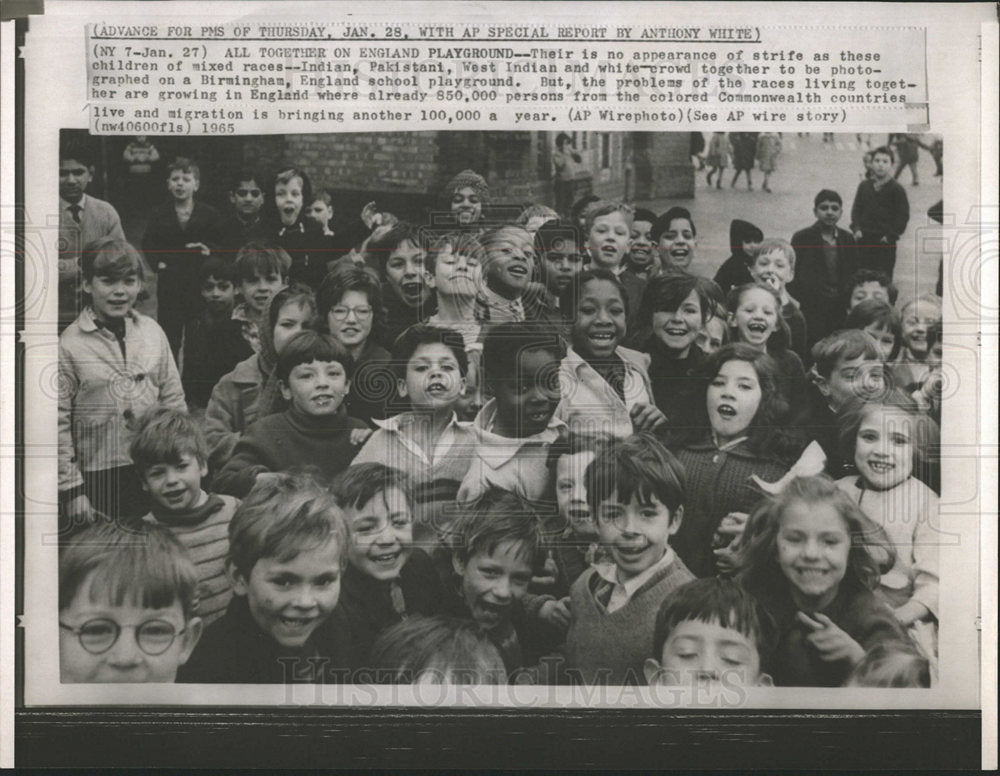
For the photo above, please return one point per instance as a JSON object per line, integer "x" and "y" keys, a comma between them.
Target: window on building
{"x": 605, "y": 150}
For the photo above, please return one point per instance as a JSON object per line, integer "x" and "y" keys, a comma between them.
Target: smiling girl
{"x": 810, "y": 566}
{"x": 605, "y": 387}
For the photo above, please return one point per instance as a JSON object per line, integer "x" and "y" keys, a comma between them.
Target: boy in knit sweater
{"x": 170, "y": 455}
{"x": 314, "y": 432}
{"x": 636, "y": 494}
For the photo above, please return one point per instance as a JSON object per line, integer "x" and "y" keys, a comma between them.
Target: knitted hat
{"x": 468, "y": 179}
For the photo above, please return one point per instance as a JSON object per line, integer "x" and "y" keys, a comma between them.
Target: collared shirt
{"x": 98, "y": 219}
{"x": 622, "y": 592}
{"x": 590, "y": 404}
{"x": 519, "y": 465}
{"x": 492, "y": 307}
{"x": 442, "y": 445}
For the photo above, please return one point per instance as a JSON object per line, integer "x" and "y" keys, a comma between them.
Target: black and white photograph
{"x": 501, "y": 424}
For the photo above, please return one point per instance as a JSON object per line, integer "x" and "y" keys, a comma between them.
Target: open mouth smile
{"x": 726, "y": 411}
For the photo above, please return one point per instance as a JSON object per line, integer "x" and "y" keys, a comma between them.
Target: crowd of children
{"x": 530, "y": 450}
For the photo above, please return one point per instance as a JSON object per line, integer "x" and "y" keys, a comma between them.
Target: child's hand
{"x": 263, "y": 477}
{"x": 730, "y": 530}
{"x": 646, "y": 417}
{"x": 556, "y": 613}
{"x": 910, "y": 612}
{"x": 78, "y": 511}
{"x": 549, "y": 573}
{"x": 829, "y": 641}
{"x": 205, "y": 251}
{"x": 359, "y": 435}
{"x": 370, "y": 215}
{"x": 727, "y": 559}
{"x": 857, "y": 234}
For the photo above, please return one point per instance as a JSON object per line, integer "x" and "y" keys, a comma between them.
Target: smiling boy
{"x": 399, "y": 256}
{"x": 287, "y": 544}
{"x": 636, "y": 494}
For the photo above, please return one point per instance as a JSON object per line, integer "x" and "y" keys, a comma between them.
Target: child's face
{"x": 608, "y": 240}
{"x": 493, "y": 582}
{"x": 258, "y": 291}
{"x": 813, "y": 544}
{"x": 112, "y": 298}
{"x": 74, "y": 178}
{"x": 884, "y": 449}
{"x": 457, "y": 275}
{"x": 636, "y": 533}
{"x": 600, "y": 319}
{"x": 182, "y": 185}
{"x": 316, "y": 389}
{"x": 288, "y": 200}
{"x": 405, "y": 273}
{"x": 509, "y": 264}
{"x": 828, "y": 213}
{"x": 677, "y": 245}
{"x": 750, "y": 248}
{"x": 247, "y": 198}
{"x": 563, "y": 262}
{"x": 712, "y": 335}
{"x": 527, "y": 400}
{"x": 381, "y": 534}
{"x": 733, "y": 398}
{"x": 124, "y": 660}
{"x": 916, "y": 322}
{"x": 854, "y": 378}
{"x": 571, "y": 492}
{"x": 755, "y": 317}
{"x": 881, "y": 166}
{"x": 870, "y": 289}
{"x": 320, "y": 212}
{"x": 936, "y": 353}
{"x": 176, "y": 487}
{"x": 678, "y": 329}
{"x": 433, "y": 380}
{"x": 466, "y": 205}
{"x": 350, "y": 320}
{"x": 292, "y": 318}
{"x": 884, "y": 337}
{"x": 218, "y": 295}
{"x": 698, "y": 652}
{"x": 289, "y": 599}
{"x": 640, "y": 250}
{"x": 774, "y": 269}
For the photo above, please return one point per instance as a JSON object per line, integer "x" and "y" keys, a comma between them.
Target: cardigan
{"x": 234, "y": 650}
{"x": 603, "y": 648}
{"x": 908, "y": 513}
{"x": 365, "y": 607}
{"x": 204, "y": 531}
{"x": 103, "y": 392}
{"x": 794, "y": 663}
{"x": 718, "y": 482}
{"x": 287, "y": 441}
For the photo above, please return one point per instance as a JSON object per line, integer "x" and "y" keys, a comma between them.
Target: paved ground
{"x": 805, "y": 166}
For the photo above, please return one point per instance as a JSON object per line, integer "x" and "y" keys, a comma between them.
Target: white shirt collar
{"x": 504, "y": 448}
{"x": 623, "y": 591}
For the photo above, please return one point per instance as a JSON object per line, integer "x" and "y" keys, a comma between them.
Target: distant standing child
{"x": 879, "y": 215}
{"x": 387, "y": 577}
{"x": 825, "y": 260}
{"x": 177, "y": 241}
{"x": 127, "y": 606}
{"x": 744, "y": 146}
{"x": 170, "y": 455}
{"x": 636, "y": 492}
{"x": 243, "y": 223}
{"x": 213, "y": 341}
{"x": 287, "y": 550}
{"x": 315, "y": 432}
{"x": 114, "y": 365}
{"x": 768, "y": 150}
{"x": 811, "y": 569}
{"x": 717, "y": 157}
{"x": 744, "y": 241}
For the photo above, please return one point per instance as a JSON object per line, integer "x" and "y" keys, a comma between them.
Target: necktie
{"x": 75, "y": 211}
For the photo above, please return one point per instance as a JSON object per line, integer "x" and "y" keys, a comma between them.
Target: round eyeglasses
{"x": 341, "y": 313}
{"x": 154, "y": 637}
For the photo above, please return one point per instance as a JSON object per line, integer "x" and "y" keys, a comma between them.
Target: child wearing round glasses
{"x": 127, "y": 603}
